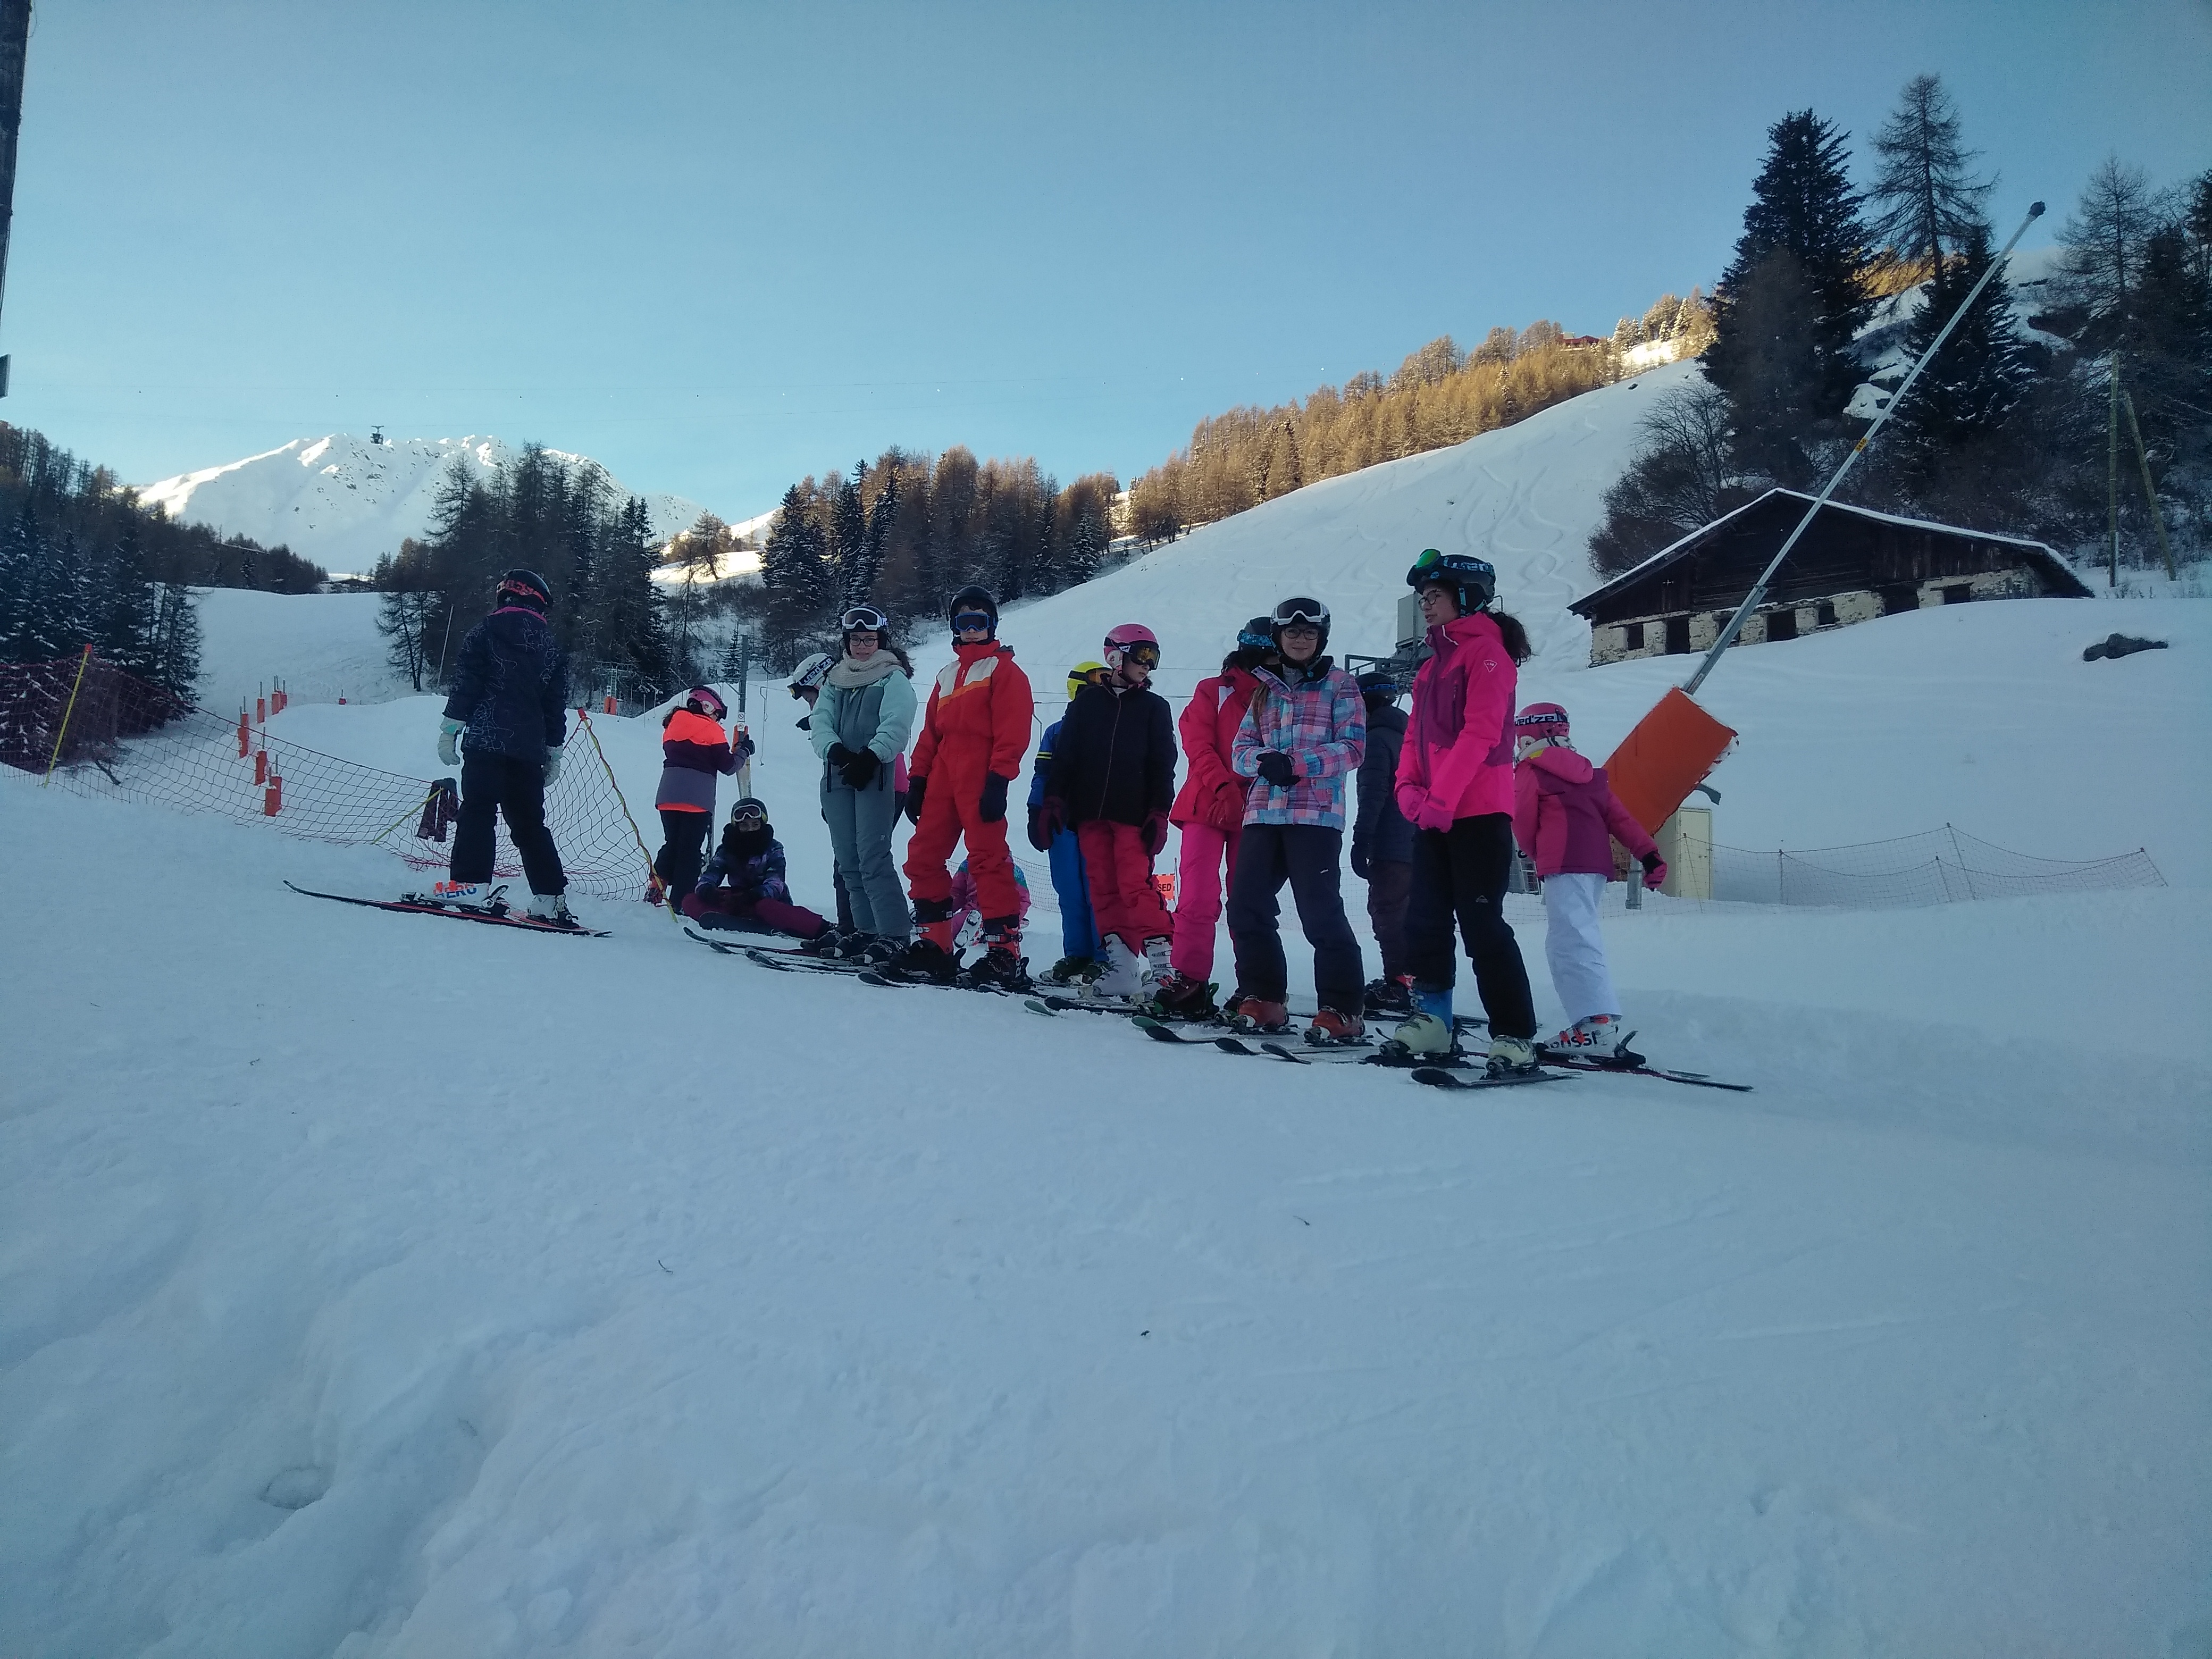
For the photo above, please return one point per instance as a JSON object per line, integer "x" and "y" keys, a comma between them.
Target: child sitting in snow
{"x": 1565, "y": 816}
{"x": 749, "y": 861}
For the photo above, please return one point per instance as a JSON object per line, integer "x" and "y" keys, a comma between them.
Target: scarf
{"x": 851, "y": 676}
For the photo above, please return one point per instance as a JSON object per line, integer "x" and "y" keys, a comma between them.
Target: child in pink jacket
{"x": 1565, "y": 818}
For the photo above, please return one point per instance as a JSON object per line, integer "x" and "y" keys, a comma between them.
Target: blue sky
{"x": 718, "y": 247}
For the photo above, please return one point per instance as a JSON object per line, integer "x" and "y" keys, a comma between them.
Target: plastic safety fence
{"x": 104, "y": 732}
{"x": 1937, "y": 866}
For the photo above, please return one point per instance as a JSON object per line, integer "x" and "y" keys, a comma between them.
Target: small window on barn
{"x": 1678, "y": 635}
{"x": 1782, "y": 624}
{"x": 1895, "y": 601}
{"x": 1632, "y": 636}
{"x": 1824, "y": 615}
{"x": 1958, "y": 593}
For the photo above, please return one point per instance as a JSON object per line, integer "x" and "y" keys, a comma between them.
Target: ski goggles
{"x": 1452, "y": 570}
{"x": 1294, "y": 613}
{"x": 865, "y": 616}
{"x": 968, "y": 619}
{"x": 748, "y": 812}
{"x": 1144, "y": 654}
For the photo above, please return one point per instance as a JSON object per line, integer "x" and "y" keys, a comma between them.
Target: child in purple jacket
{"x": 1565, "y": 818}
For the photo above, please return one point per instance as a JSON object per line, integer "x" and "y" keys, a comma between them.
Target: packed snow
{"x": 345, "y": 502}
{"x": 370, "y": 1286}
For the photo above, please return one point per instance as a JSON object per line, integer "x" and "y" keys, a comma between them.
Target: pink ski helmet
{"x": 705, "y": 700}
{"x": 1135, "y": 642}
{"x": 1541, "y": 720}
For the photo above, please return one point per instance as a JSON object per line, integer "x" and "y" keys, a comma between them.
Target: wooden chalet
{"x": 1852, "y": 565}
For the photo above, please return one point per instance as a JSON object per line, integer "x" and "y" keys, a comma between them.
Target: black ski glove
{"x": 1359, "y": 862}
{"x": 859, "y": 769}
{"x": 1278, "y": 768}
{"x": 913, "y": 788}
{"x": 994, "y": 798}
{"x": 838, "y": 756}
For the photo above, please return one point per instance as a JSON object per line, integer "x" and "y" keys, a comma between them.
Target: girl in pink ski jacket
{"x": 1565, "y": 818}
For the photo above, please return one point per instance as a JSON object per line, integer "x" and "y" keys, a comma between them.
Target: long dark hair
{"x": 1515, "y": 635}
{"x": 1246, "y": 657}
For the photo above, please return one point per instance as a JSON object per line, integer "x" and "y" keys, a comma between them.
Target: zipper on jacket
{"x": 1107, "y": 782}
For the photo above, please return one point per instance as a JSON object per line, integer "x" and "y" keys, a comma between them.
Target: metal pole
{"x": 2113, "y": 476}
{"x": 14, "y": 45}
{"x": 2150, "y": 495}
{"x": 54, "y": 759}
{"x": 1759, "y": 591}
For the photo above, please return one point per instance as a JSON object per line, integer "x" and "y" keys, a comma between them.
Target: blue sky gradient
{"x": 718, "y": 247}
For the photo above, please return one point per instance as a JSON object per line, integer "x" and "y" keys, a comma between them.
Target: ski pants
{"x": 707, "y": 904}
{"x": 1575, "y": 947}
{"x": 1126, "y": 904}
{"x": 1390, "y": 882}
{"x": 1307, "y": 855}
{"x": 492, "y": 785}
{"x": 951, "y": 809}
{"x": 1460, "y": 873}
{"x": 1071, "y": 884}
{"x": 860, "y": 822}
{"x": 681, "y": 857}
{"x": 1208, "y": 855}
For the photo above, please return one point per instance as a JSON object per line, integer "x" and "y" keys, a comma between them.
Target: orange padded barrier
{"x": 1666, "y": 756}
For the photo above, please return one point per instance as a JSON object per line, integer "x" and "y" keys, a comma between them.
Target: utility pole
{"x": 2150, "y": 495}
{"x": 14, "y": 45}
{"x": 2113, "y": 476}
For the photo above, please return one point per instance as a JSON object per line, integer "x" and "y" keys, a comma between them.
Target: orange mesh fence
{"x": 133, "y": 741}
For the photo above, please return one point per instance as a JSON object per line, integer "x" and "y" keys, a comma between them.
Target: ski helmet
{"x": 1376, "y": 686}
{"x": 1257, "y": 635}
{"x": 524, "y": 588}
{"x": 1311, "y": 613}
{"x": 973, "y": 601}
{"x": 812, "y": 672}
{"x": 1133, "y": 642}
{"x": 1546, "y": 721}
{"x": 1473, "y": 581}
{"x": 864, "y": 619}
{"x": 1083, "y": 674}
{"x": 705, "y": 700}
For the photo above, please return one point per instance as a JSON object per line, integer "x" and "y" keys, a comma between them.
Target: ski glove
{"x": 1041, "y": 830}
{"x": 1654, "y": 871}
{"x": 1279, "y": 769}
{"x": 913, "y": 788}
{"x": 742, "y": 747}
{"x": 1155, "y": 834}
{"x": 838, "y": 756}
{"x": 552, "y": 766}
{"x": 449, "y": 739}
{"x": 859, "y": 769}
{"x": 994, "y": 798}
{"x": 1359, "y": 866}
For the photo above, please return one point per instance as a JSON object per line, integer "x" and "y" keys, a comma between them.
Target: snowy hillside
{"x": 343, "y": 500}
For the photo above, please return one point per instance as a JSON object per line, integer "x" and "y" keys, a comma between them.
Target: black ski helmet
{"x": 1257, "y": 635}
{"x": 524, "y": 588}
{"x": 972, "y": 600}
{"x": 1312, "y": 612}
{"x": 1473, "y": 581}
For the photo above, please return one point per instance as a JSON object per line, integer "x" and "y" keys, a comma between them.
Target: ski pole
{"x": 1759, "y": 590}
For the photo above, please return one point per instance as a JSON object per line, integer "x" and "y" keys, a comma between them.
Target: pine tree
{"x": 1970, "y": 390}
{"x": 1791, "y": 303}
{"x": 19, "y": 572}
{"x": 176, "y": 641}
{"x": 2105, "y": 238}
{"x": 128, "y": 619}
{"x": 1929, "y": 202}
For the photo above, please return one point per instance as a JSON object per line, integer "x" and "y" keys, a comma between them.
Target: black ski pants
{"x": 1462, "y": 873}
{"x": 492, "y": 785}
{"x": 681, "y": 858}
{"x": 1390, "y": 884}
{"x": 1306, "y": 856}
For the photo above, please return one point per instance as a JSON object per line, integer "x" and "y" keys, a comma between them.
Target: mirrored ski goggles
{"x": 867, "y": 616}
{"x": 1312, "y": 613}
{"x": 968, "y": 619}
{"x": 1144, "y": 654}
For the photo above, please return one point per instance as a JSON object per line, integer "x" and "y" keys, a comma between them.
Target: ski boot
{"x": 872, "y": 949}
{"x": 1252, "y": 1014}
{"x": 1512, "y": 1057}
{"x": 1602, "y": 1038}
{"x": 829, "y": 945}
{"x": 1332, "y": 1030}
{"x": 1157, "y": 966}
{"x": 1388, "y": 998}
{"x": 551, "y": 907}
{"x": 997, "y": 969}
{"x": 1175, "y": 997}
{"x": 1427, "y": 1038}
{"x": 924, "y": 961}
{"x": 1071, "y": 970}
{"x": 468, "y": 895}
{"x": 1124, "y": 974}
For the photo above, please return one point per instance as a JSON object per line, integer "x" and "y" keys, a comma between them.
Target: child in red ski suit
{"x": 975, "y": 732}
{"x": 1566, "y": 819}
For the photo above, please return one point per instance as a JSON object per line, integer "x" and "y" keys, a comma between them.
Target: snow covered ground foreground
{"x": 373, "y": 1286}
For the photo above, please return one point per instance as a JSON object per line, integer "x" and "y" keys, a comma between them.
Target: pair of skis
{"x": 495, "y": 914}
{"x": 1349, "y": 1054}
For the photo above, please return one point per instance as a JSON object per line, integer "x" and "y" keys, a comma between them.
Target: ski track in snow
{"x": 372, "y": 1288}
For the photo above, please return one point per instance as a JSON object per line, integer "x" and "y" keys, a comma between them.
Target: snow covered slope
{"x": 343, "y": 500}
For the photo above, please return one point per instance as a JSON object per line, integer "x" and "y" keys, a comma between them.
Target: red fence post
{"x": 261, "y": 766}
{"x": 273, "y": 801}
{"x": 244, "y": 747}
{"x": 261, "y": 711}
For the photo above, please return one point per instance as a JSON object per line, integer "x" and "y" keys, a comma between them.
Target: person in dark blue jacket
{"x": 1071, "y": 883}
{"x": 1382, "y": 847}
{"x": 504, "y": 725}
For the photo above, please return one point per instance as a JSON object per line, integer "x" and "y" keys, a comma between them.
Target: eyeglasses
{"x": 1144, "y": 654}
{"x": 1312, "y": 612}
{"x": 864, "y": 616}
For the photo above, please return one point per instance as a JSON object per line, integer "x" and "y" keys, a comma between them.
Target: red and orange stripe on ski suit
{"x": 977, "y": 722}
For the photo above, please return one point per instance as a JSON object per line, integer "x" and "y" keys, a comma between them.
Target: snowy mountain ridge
{"x": 344, "y": 500}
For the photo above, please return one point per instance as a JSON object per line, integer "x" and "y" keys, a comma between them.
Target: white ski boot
{"x": 551, "y": 907}
{"x": 1124, "y": 975}
{"x": 1512, "y": 1057}
{"x": 1425, "y": 1037}
{"x": 1601, "y": 1037}
{"x": 1157, "y": 968}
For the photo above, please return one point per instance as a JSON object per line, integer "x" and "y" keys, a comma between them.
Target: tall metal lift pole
{"x": 15, "y": 43}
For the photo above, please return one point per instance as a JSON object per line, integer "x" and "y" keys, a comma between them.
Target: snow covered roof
{"x": 2039, "y": 553}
